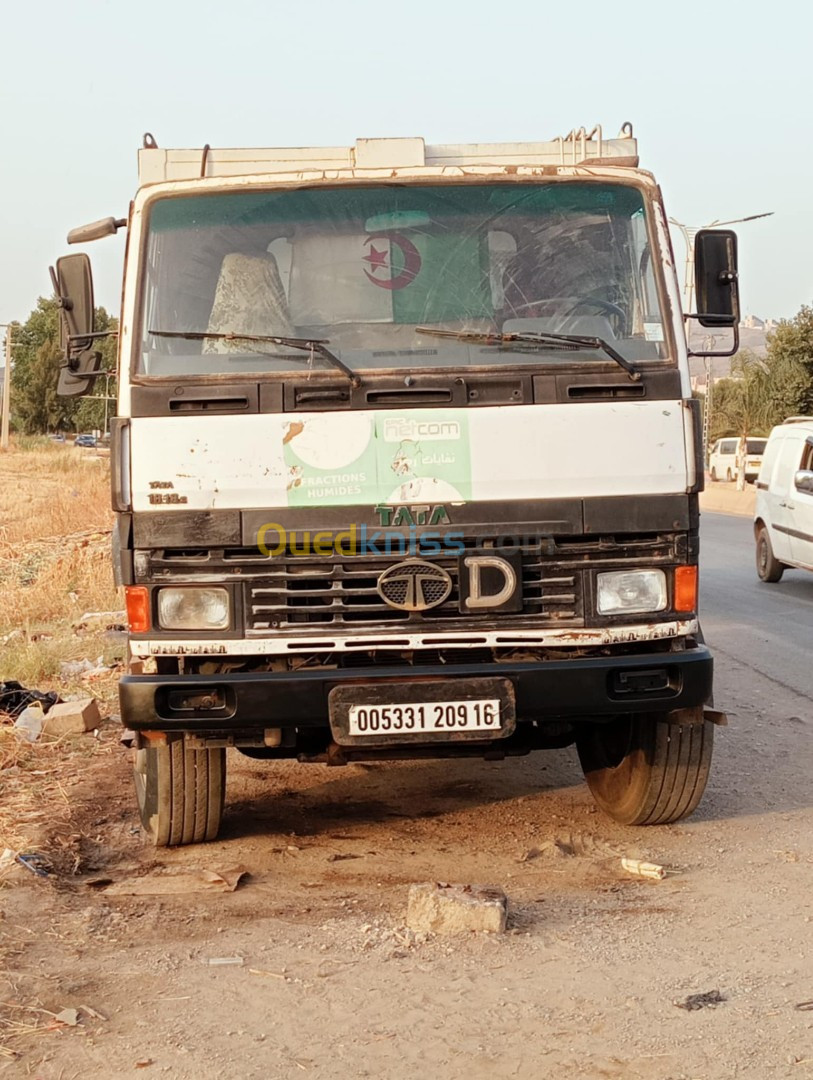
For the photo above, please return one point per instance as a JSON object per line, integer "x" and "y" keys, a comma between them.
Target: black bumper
{"x": 550, "y": 690}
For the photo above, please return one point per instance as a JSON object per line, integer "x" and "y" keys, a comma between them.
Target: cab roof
{"x": 580, "y": 147}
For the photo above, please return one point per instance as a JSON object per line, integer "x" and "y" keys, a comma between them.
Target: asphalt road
{"x": 767, "y": 627}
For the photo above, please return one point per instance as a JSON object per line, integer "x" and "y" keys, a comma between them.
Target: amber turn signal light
{"x": 138, "y": 608}
{"x": 686, "y": 588}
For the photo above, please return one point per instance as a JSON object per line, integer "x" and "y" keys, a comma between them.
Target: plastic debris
{"x": 222, "y": 961}
{"x": 701, "y": 1001}
{"x": 7, "y": 858}
{"x": 85, "y": 669}
{"x": 37, "y": 864}
{"x": 28, "y": 724}
{"x": 14, "y": 698}
{"x": 644, "y": 869}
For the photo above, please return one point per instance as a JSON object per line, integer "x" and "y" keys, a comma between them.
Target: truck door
{"x": 800, "y": 507}
{"x": 780, "y": 493}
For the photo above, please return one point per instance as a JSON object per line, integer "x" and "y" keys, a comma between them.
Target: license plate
{"x": 416, "y": 718}
{"x": 422, "y": 712}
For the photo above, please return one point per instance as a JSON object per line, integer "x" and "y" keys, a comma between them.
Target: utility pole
{"x": 689, "y": 233}
{"x": 4, "y": 421}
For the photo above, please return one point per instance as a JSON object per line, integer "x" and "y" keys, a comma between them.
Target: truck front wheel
{"x": 642, "y": 770}
{"x": 180, "y": 792}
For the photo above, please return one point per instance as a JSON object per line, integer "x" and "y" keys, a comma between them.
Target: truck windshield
{"x": 364, "y": 267}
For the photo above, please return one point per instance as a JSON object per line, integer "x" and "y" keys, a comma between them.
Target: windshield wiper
{"x": 314, "y": 345}
{"x": 569, "y": 342}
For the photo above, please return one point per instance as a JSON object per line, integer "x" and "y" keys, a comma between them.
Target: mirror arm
{"x": 93, "y": 335}
{"x": 724, "y": 322}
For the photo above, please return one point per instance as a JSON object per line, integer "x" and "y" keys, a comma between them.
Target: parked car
{"x": 724, "y": 458}
{"x": 783, "y": 520}
{"x": 57, "y": 437}
{"x": 85, "y": 440}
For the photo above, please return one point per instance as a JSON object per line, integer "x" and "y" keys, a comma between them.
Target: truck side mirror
{"x": 716, "y": 278}
{"x": 73, "y": 285}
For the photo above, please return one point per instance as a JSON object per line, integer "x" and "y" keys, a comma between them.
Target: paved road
{"x": 767, "y": 627}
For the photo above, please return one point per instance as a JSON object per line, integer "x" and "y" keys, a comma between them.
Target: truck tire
{"x": 714, "y": 475}
{"x": 768, "y": 568}
{"x": 180, "y": 792}
{"x": 642, "y": 770}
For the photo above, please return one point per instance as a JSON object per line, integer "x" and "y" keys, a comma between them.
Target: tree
{"x": 790, "y": 361}
{"x": 36, "y": 407}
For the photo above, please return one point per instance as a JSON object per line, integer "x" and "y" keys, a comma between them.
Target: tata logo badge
{"x": 414, "y": 585}
{"x": 396, "y": 516}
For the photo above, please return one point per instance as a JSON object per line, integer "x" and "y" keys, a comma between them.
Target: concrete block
{"x": 72, "y": 717}
{"x": 438, "y": 908}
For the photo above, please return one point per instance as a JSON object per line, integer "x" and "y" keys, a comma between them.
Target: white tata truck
{"x": 406, "y": 464}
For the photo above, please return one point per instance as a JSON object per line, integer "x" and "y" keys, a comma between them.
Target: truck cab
{"x": 406, "y": 464}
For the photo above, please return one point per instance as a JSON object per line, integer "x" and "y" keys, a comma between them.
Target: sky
{"x": 718, "y": 95}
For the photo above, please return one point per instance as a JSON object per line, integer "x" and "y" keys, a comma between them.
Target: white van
{"x": 783, "y": 521}
{"x": 723, "y": 460}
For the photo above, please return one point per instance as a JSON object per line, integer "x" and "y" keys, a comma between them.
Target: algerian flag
{"x": 397, "y": 276}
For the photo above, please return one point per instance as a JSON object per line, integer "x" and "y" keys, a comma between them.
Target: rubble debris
{"x": 168, "y": 884}
{"x": 439, "y": 908}
{"x": 73, "y": 717}
{"x": 29, "y": 723}
{"x": 68, "y": 1016}
{"x": 14, "y": 697}
{"x": 98, "y": 621}
{"x": 570, "y": 845}
{"x": 644, "y": 869}
{"x": 700, "y": 1001}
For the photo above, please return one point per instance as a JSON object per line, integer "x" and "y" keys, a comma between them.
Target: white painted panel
{"x": 410, "y": 456}
{"x": 549, "y": 451}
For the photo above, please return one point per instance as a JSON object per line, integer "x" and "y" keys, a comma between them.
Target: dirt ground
{"x": 330, "y": 983}
{"x": 323, "y": 977}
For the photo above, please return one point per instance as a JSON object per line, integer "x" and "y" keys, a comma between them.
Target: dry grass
{"x": 55, "y": 565}
{"x": 55, "y": 562}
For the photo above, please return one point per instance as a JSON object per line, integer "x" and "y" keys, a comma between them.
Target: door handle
{"x": 790, "y": 506}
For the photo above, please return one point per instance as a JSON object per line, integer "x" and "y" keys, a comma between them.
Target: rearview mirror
{"x": 76, "y": 379}
{"x": 803, "y": 481}
{"x": 73, "y": 285}
{"x": 716, "y": 279}
{"x": 74, "y": 290}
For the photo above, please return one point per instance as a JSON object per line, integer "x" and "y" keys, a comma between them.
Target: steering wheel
{"x": 577, "y": 302}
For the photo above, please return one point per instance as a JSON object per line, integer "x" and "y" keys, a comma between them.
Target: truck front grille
{"x": 337, "y": 592}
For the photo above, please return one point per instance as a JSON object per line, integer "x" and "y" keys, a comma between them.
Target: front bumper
{"x": 548, "y": 690}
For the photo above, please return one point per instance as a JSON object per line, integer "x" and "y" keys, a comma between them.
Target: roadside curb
{"x": 725, "y": 499}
